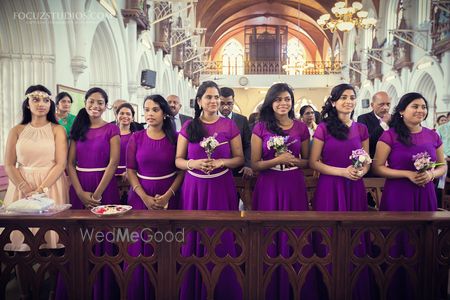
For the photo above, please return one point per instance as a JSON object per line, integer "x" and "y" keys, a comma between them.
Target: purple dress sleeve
{"x": 258, "y": 129}
{"x": 363, "y": 132}
{"x": 183, "y": 130}
{"x": 387, "y": 138}
{"x": 321, "y": 132}
{"x": 234, "y": 130}
{"x": 437, "y": 139}
{"x": 113, "y": 130}
{"x": 304, "y": 134}
{"x": 131, "y": 153}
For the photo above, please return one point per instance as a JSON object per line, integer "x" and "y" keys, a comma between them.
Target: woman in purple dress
{"x": 281, "y": 183}
{"x": 154, "y": 179}
{"x": 209, "y": 185}
{"x": 405, "y": 188}
{"x": 93, "y": 158}
{"x": 125, "y": 116}
{"x": 340, "y": 186}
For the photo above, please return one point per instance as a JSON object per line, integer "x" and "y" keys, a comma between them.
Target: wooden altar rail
{"x": 428, "y": 267}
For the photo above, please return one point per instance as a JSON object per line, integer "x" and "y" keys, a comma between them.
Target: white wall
{"x": 77, "y": 51}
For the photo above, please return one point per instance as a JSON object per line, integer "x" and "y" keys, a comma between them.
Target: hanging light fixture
{"x": 346, "y": 18}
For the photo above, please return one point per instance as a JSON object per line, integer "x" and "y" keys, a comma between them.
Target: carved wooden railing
{"x": 428, "y": 267}
{"x": 271, "y": 67}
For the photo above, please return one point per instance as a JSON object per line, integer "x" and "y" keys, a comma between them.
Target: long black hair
{"x": 62, "y": 95}
{"x": 397, "y": 122}
{"x": 82, "y": 122}
{"x": 330, "y": 115}
{"x": 167, "y": 126}
{"x": 26, "y": 112}
{"x": 304, "y": 108}
{"x": 267, "y": 115}
{"x": 195, "y": 130}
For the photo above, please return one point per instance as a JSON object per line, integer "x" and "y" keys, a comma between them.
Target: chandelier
{"x": 345, "y": 18}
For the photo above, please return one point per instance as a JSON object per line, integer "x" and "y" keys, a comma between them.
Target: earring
{"x": 401, "y": 116}
{"x": 165, "y": 117}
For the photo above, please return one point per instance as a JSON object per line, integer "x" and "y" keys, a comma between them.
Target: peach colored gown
{"x": 35, "y": 151}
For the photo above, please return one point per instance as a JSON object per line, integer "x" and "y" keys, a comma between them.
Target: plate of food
{"x": 110, "y": 210}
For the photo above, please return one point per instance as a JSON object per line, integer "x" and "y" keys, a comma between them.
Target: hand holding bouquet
{"x": 209, "y": 144}
{"x": 422, "y": 162}
{"x": 280, "y": 145}
{"x": 360, "y": 158}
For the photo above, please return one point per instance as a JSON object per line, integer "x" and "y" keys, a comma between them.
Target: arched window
{"x": 296, "y": 57}
{"x": 233, "y": 58}
{"x": 337, "y": 51}
{"x": 391, "y": 20}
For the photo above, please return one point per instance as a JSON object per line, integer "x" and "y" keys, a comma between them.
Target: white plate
{"x": 110, "y": 210}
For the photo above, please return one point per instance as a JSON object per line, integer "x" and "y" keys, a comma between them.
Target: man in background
{"x": 175, "y": 106}
{"x": 376, "y": 121}
{"x": 134, "y": 126}
{"x": 226, "y": 110}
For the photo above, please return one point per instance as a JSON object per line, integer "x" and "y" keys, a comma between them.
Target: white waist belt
{"x": 121, "y": 167}
{"x": 156, "y": 178}
{"x": 278, "y": 168}
{"x": 35, "y": 168}
{"x": 208, "y": 175}
{"x": 89, "y": 169}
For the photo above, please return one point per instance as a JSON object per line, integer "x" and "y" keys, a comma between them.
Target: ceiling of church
{"x": 225, "y": 18}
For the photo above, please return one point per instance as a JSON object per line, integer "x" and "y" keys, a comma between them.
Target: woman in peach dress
{"x": 35, "y": 159}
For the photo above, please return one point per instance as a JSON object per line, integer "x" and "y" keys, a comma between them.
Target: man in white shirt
{"x": 175, "y": 106}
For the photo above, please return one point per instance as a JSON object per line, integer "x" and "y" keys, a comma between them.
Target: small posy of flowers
{"x": 360, "y": 158}
{"x": 278, "y": 143}
{"x": 422, "y": 162}
{"x": 209, "y": 144}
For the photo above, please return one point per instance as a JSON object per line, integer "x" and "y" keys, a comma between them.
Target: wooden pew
{"x": 245, "y": 188}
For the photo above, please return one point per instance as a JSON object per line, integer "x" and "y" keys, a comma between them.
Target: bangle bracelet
{"x": 432, "y": 175}
{"x": 92, "y": 198}
{"x": 135, "y": 187}
{"x": 223, "y": 163}
{"x": 187, "y": 165}
{"x": 171, "y": 189}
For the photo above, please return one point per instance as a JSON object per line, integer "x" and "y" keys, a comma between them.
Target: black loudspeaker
{"x": 148, "y": 78}
{"x": 365, "y": 103}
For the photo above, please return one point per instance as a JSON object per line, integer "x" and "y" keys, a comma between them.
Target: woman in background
{"x": 63, "y": 104}
{"x": 308, "y": 117}
{"x": 124, "y": 119}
